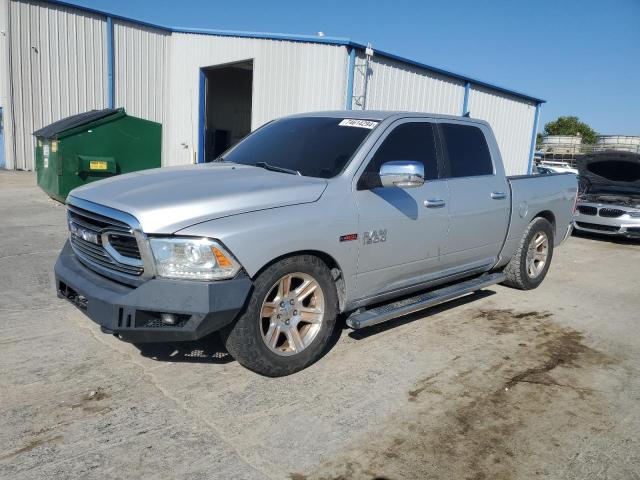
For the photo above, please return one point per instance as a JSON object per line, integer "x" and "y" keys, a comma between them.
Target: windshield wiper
{"x": 275, "y": 168}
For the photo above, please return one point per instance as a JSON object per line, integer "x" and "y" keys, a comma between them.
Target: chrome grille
{"x": 611, "y": 212}
{"x": 587, "y": 210}
{"x": 125, "y": 245}
{"x": 98, "y": 229}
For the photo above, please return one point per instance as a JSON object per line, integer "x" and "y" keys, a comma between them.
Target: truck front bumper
{"x": 133, "y": 314}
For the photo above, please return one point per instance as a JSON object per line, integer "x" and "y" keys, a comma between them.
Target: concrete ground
{"x": 499, "y": 385}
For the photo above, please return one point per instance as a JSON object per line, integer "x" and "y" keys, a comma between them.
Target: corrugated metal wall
{"x": 4, "y": 51}
{"x": 394, "y": 85}
{"x": 512, "y": 121}
{"x": 58, "y": 68}
{"x": 141, "y": 67}
{"x": 5, "y": 92}
{"x": 288, "y": 77}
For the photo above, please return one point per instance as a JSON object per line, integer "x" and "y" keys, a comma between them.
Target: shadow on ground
{"x": 209, "y": 349}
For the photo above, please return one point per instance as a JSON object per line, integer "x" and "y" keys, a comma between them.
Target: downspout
{"x": 351, "y": 65}
{"x": 201, "y": 115}
{"x": 368, "y": 53}
{"x": 110, "y": 64}
{"x": 10, "y": 118}
{"x": 533, "y": 138}
{"x": 465, "y": 102}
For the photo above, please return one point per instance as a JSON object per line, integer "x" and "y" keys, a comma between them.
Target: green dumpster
{"x": 94, "y": 145}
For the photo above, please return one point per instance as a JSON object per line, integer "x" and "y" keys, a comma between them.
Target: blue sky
{"x": 582, "y": 56}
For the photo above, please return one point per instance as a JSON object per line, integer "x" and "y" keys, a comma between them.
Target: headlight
{"x": 192, "y": 258}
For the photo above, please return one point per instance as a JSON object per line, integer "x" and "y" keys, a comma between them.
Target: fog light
{"x": 169, "y": 318}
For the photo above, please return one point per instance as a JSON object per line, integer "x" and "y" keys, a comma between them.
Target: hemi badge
{"x": 349, "y": 238}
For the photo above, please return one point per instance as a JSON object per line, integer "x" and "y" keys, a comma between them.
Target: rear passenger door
{"x": 479, "y": 196}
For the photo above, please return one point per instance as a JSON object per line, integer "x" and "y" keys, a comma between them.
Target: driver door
{"x": 402, "y": 231}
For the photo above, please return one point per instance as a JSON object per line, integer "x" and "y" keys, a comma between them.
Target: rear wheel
{"x": 289, "y": 319}
{"x": 530, "y": 263}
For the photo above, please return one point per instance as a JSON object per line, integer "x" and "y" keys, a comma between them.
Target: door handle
{"x": 434, "y": 203}
{"x": 498, "y": 195}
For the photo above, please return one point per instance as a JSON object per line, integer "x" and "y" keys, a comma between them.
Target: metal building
{"x": 210, "y": 88}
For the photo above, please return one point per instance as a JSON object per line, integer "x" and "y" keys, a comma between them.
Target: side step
{"x": 409, "y": 305}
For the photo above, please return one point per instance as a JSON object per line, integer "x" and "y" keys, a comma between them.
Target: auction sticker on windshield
{"x": 355, "y": 122}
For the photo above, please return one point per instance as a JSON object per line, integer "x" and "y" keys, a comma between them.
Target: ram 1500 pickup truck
{"x": 369, "y": 214}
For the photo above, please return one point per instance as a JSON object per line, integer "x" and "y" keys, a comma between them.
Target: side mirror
{"x": 402, "y": 174}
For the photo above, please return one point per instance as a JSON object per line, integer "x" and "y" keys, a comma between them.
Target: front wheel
{"x": 289, "y": 319}
{"x": 530, "y": 263}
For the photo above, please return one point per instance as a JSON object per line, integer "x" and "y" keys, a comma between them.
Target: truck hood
{"x": 165, "y": 200}
{"x": 610, "y": 169}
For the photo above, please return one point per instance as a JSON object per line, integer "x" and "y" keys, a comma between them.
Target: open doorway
{"x": 225, "y": 106}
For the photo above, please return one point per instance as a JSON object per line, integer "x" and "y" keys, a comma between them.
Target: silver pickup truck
{"x": 369, "y": 214}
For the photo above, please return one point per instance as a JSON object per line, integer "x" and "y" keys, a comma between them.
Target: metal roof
{"x": 347, "y": 42}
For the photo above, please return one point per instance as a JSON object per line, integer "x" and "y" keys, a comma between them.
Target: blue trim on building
{"x": 110, "y": 64}
{"x": 348, "y": 102}
{"x": 532, "y": 150}
{"x": 104, "y": 13}
{"x": 269, "y": 36}
{"x": 465, "y": 102}
{"x": 303, "y": 38}
{"x": 202, "y": 101}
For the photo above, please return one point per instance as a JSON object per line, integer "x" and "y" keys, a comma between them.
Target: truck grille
{"x": 587, "y": 210}
{"x": 125, "y": 245}
{"x": 611, "y": 212}
{"x": 595, "y": 226}
{"x": 88, "y": 233}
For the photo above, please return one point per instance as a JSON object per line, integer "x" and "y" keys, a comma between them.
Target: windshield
{"x": 314, "y": 146}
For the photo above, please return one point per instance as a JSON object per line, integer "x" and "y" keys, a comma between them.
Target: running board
{"x": 409, "y": 305}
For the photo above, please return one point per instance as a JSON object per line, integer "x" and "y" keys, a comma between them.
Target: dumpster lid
{"x": 73, "y": 121}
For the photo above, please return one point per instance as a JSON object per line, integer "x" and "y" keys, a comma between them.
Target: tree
{"x": 571, "y": 126}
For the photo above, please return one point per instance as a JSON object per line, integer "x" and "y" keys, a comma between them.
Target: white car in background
{"x": 609, "y": 198}
{"x": 546, "y": 167}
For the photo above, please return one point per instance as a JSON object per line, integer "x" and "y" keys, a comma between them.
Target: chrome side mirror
{"x": 402, "y": 174}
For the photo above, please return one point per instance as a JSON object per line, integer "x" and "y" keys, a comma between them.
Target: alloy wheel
{"x": 537, "y": 254}
{"x": 292, "y": 314}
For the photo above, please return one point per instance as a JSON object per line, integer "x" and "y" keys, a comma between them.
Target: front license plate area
{"x": 79, "y": 300}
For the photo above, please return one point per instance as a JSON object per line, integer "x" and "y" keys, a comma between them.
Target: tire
{"x": 261, "y": 341}
{"x": 519, "y": 270}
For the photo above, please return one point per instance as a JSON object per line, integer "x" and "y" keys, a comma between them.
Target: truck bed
{"x": 551, "y": 195}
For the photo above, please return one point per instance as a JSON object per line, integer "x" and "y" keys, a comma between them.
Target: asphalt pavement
{"x": 501, "y": 384}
